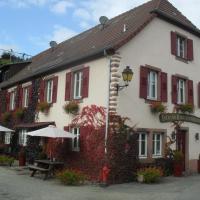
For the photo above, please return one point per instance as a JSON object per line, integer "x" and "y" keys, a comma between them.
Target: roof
{"x": 94, "y": 42}
{"x": 34, "y": 125}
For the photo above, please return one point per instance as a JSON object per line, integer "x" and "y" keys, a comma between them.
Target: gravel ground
{"x": 18, "y": 185}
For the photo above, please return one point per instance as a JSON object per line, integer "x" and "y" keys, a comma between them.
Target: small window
{"x": 23, "y": 137}
{"x": 25, "y": 97}
{"x": 76, "y": 140}
{"x": 143, "y": 145}
{"x": 181, "y": 46}
{"x": 7, "y": 138}
{"x": 78, "y": 84}
{"x": 157, "y": 145}
{"x": 152, "y": 92}
{"x": 12, "y": 99}
{"x": 49, "y": 90}
{"x": 181, "y": 91}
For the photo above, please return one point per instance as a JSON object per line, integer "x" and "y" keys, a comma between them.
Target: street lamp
{"x": 127, "y": 75}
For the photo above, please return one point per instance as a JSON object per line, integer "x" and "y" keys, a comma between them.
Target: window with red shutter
{"x": 163, "y": 88}
{"x": 55, "y": 88}
{"x": 174, "y": 90}
{"x": 68, "y": 86}
{"x": 190, "y": 92}
{"x": 143, "y": 82}
{"x": 85, "y": 83}
{"x": 190, "y": 55}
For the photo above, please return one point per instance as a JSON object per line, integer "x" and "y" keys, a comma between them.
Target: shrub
{"x": 43, "y": 107}
{"x": 151, "y": 174}
{"x": 6, "y": 160}
{"x": 157, "y": 107}
{"x": 71, "y": 107}
{"x": 71, "y": 177}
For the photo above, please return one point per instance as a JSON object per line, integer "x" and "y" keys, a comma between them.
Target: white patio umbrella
{"x": 4, "y": 129}
{"x": 52, "y": 132}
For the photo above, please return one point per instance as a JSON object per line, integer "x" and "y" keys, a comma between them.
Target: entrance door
{"x": 180, "y": 144}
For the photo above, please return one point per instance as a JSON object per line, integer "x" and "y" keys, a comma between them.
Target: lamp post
{"x": 127, "y": 76}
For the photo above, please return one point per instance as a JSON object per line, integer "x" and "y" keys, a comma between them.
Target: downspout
{"x": 108, "y": 102}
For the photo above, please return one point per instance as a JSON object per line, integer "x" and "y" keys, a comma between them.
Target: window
{"x": 77, "y": 84}
{"x": 12, "y": 100}
{"x": 25, "y": 97}
{"x": 181, "y": 46}
{"x": 23, "y": 137}
{"x": 157, "y": 145}
{"x": 7, "y": 138}
{"x": 181, "y": 91}
{"x": 49, "y": 90}
{"x": 142, "y": 145}
{"x": 152, "y": 85}
{"x": 76, "y": 140}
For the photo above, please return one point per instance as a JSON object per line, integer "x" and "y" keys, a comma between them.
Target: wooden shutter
{"x": 174, "y": 89}
{"x": 68, "y": 86}
{"x": 163, "y": 86}
{"x": 190, "y": 55}
{"x": 7, "y": 101}
{"x": 20, "y": 96}
{"x": 66, "y": 128}
{"x": 173, "y": 43}
{"x": 85, "y": 83}
{"x": 143, "y": 82}
{"x": 42, "y": 88}
{"x": 190, "y": 92}
{"x": 55, "y": 89}
{"x": 30, "y": 94}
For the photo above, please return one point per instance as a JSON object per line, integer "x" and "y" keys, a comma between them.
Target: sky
{"x": 27, "y": 26}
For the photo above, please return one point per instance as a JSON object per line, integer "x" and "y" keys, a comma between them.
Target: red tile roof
{"x": 93, "y": 42}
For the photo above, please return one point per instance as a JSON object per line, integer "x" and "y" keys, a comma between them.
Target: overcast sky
{"x": 28, "y": 25}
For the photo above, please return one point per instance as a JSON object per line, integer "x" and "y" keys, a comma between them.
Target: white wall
{"x": 152, "y": 46}
{"x": 98, "y": 90}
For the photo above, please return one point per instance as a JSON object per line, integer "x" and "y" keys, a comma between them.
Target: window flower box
{"x": 185, "y": 108}
{"x": 157, "y": 107}
{"x": 44, "y": 107}
{"x": 19, "y": 113}
{"x": 6, "y": 116}
{"x": 72, "y": 107}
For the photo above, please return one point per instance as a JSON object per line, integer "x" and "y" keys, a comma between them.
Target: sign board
{"x": 171, "y": 117}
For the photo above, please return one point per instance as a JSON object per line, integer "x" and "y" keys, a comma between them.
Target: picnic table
{"x": 46, "y": 167}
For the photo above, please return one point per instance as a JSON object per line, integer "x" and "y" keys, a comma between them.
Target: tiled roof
{"x": 95, "y": 41}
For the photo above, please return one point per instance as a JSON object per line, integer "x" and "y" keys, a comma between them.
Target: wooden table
{"x": 47, "y": 167}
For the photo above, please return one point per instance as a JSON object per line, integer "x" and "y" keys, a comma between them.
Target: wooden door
{"x": 180, "y": 144}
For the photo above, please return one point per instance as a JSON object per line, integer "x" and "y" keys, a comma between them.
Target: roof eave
{"x": 171, "y": 20}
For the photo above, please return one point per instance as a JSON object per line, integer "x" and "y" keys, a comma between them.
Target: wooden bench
{"x": 40, "y": 169}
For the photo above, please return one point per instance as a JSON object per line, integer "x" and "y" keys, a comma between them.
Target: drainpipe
{"x": 108, "y": 101}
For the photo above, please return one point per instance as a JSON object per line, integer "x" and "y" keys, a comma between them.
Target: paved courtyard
{"x": 19, "y": 186}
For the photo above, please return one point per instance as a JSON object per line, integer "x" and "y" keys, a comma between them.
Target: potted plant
{"x": 6, "y": 116}
{"x": 178, "y": 163}
{"x": 44, "y": 107}
{"x": 71, "y": 108}
{"x": 19, "y": 113}
{"x": 185, "y": 108}
{"x": 157, "y": 107}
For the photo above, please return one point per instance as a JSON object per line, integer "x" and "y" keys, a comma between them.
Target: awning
{"x": 4, "y": 129}
{"x": 33, "y": 125}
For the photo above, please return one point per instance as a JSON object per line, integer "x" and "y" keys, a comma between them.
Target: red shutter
{"x": 7, "y": 101}
{"x": 174, "y": 89}
{"x": 190, "y": 92}
{"x": 199, "y": 94}
{"x": 68, "y": 86}
{"x": 143, "y": 82}
{"x": 42, "y": 88}
{"x": 55, "y": 89}
{"x": 30, "y": 94}
{"x": 66, "y": 128}
{"x": 173, "y": 43}
{"x": 190, "y": 55}
{"x": 85, "y": 84}
{"x": 20, "y": 96}
{"x": 1, "y": 93}
{"x": 163, "y": 87}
